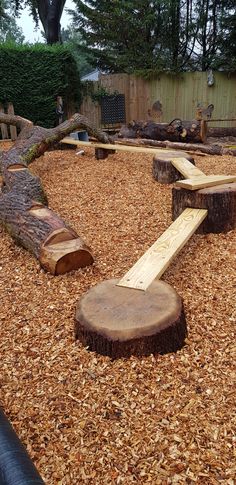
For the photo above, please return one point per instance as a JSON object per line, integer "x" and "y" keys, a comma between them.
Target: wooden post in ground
{"x": 13, "y": 131}
{"x": 4, "y": 130}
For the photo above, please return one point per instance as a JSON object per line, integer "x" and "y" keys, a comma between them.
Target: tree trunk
{"x": 50, "y": 12}
{"x": 187, "y": 147}
{"x": 220, "y": 201}
{"x": 121, "y": 322}
{"x": 177, "y": 130}
{"x": 23, "y": 202}
{"x": 221, "y": 132}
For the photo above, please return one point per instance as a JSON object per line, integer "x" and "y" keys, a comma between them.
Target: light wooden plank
{"x": 205, "y": 181}
{"x": 186, "y": 168}
{"x": 159, "y": 256}
{"x": 109, "y": 146}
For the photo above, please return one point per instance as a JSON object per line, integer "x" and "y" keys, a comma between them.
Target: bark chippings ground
{"x": 162, "y": 419}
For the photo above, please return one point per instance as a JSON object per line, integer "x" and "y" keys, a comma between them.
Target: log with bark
{"x": 220, "y": 202}
{"x": 177, "y": 130}
{"x": 187, "y": 147}
{"x": 23, "y": 202}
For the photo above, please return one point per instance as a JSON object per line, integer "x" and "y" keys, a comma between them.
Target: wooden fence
{"x": 180, "y": 96}
{"x": 5, "y": 131}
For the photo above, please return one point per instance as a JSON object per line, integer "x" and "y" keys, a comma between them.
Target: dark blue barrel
{"x": 16, "y": 467}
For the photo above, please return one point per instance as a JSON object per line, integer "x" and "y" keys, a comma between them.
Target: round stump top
{"x": 137, "y": 322}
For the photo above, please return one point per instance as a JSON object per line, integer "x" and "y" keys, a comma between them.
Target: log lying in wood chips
{"x": 23, "y": 202}
{"x": 198, "y": 149}
{"x": 120, "y": 322}
{"x": 220, "y": 202}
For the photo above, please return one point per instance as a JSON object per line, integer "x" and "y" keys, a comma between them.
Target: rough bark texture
{"x": 217, "y": 132}
{"x": 188, "y": 147}
{"x": 177, "y": 130}
{"x": 120, "y": 322}
{"x": 220, "y": 201}
{"x": 23, "y": 202}
{"x": 163, "y": 170}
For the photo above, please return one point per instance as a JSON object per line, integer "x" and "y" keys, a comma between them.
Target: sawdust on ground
{"x": 85, "y": 419}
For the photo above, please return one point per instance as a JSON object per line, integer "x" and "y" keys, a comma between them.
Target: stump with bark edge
{"x": 162, "y": 169}
{"x": 120, "y": 322}
{"x": 220, "y": 201}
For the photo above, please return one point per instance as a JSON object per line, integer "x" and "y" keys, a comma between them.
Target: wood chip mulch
{"x": 86, "y": 419}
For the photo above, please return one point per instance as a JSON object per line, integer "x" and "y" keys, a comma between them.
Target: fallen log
{"x": 23, "y": 202}
{"x": 221, "y": 131}
{"x": 177, "y": 130}
{"x": 187, "y": 147}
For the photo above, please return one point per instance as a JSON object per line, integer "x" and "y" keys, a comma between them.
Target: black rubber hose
{"x": 16, "y": 467}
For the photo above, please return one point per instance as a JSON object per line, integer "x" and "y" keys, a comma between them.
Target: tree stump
{"x": 102, "y": 153}
{"x": 163, "y": 170}
{"x": 120, "y": 322}
{"x": 220, "y": 201}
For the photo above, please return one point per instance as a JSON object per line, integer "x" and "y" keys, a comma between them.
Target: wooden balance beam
{"x": 159, "y": 256}
{"x": 115, "y": 319}
{"x": 123, "y": 148}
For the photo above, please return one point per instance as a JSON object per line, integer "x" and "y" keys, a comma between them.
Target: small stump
{"x": 102, "y": 153}
{"x": 120, "y": 322}
{"x": 220, "y": 201}
{"x": 162, "y": 169}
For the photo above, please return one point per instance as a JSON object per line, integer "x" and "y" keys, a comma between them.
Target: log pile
{"x": 177, "y": 130}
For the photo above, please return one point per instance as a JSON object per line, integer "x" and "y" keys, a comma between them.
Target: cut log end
{"x": 65, "y": 256}
{"x": 120, "y": 322}
{"x": 220, "y": 202}
{"x": 164, "y": 171}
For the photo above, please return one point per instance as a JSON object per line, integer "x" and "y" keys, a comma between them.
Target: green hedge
{"x": 31, "y": 77}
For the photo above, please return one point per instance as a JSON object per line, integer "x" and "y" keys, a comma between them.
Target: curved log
{"x": 23, "y": 202}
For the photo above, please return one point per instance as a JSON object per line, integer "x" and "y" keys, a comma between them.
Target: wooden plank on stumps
{"x": 159, "y": 256}
{"x": 205, "y": 181}
{"x": 186, "y": 168}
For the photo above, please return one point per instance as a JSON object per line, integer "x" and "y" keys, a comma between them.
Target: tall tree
{"x": 145, "y": 35}
{"x": 49, "y": 12}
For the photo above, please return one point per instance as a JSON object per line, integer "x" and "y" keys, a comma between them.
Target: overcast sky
{"x": 28, "y": 26}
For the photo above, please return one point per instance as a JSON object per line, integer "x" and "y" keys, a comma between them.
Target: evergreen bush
{"x": 31, "y": 77}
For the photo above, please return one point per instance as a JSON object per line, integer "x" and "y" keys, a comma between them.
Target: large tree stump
{"x": 23, "y": 202}
{"x": 121, "y": 322}
{"x": 220, "y": 201}
{"x": 162, "y": 169}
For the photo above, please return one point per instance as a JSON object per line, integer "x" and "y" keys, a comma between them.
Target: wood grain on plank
{"x": 205, "y": 181}
{"x": 110, "y": 146}
{"x": 186, "y": 168}
{"x": 159, "y": 256}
